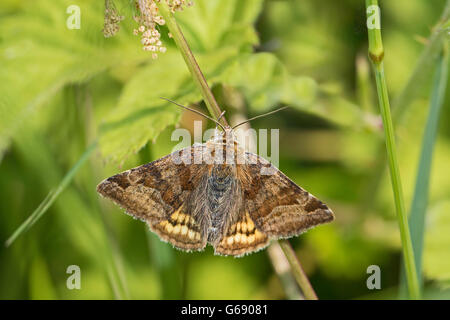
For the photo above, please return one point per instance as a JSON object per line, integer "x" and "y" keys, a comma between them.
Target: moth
{"x": 216, "y": 193}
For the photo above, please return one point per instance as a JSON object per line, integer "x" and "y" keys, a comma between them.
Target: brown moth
{"x": 216, "y": 193}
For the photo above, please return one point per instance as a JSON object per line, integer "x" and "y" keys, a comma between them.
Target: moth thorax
{"x": 222, "y": 171}
{"x": 224, "y": 153}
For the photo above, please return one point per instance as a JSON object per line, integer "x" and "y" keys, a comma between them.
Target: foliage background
{"x": 61, "y": 90}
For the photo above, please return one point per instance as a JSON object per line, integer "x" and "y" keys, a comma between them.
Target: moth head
{"x": 224, "y": 132}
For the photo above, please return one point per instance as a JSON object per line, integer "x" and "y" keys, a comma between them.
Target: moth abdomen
{"x": 223, "y": 200}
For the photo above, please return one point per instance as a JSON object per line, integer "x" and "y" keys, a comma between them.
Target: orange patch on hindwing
{"x": 242, "y": 237}
{"x": 181, "y": 230}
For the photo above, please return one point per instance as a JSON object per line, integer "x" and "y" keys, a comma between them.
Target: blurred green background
{"x": 61, "y": 90}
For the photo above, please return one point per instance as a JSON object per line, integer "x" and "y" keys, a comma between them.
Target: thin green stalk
{"x": 51, "y": 197}
{"x": 415, "y": 82}
{"x": 215, "y": 111}
{"x": 191, "y": 62}
{"x": 376, "y": 54}
{"x": 297, "y": 270}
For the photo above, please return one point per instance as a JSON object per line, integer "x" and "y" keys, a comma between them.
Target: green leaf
{"x": 141, "y": 115}
{"x": 213, "y": 24}
{"x": 221, "y": 34}
{"x": 265, "y": 82}
{"x": 39, "y": 55}
{"x": 262, "y": 78}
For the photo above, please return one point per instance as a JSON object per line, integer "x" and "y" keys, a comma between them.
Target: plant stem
{"x": 215, "y": 111}
{"x": 376, "y": 54}
{"x": 191, "y": 62}
{"x": 283, "y": 270}
{"x": 416, "y": 81}
{"x": 297, "y": 270}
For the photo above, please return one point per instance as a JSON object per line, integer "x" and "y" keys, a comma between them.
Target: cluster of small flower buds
{"x": 112, "y": 19}
{"x": 178, "y": 5}
{"x": 148, "y": 20}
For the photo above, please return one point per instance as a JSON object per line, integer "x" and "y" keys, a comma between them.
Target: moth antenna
{"x": 197, "y": 112}
{"x": 260, "y": 116}
{"x": 221, "y": 115}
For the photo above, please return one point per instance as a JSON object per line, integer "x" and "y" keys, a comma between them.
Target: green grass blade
{"x": 51, "y": 197}
{"x": 419, "y": 204}
{"x": 420, "y": 198}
